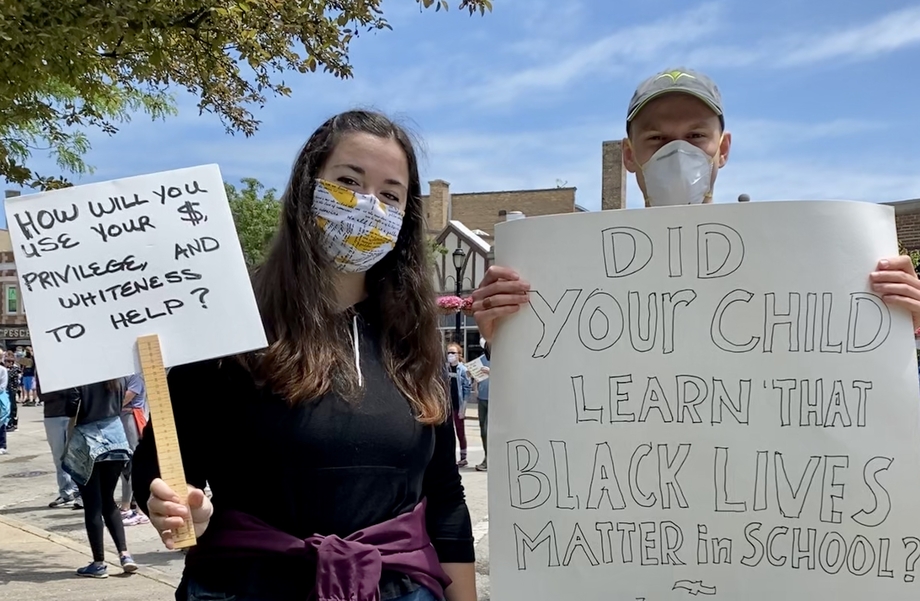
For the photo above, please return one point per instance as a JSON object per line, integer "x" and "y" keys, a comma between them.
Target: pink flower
{"x": 452, "y": 303}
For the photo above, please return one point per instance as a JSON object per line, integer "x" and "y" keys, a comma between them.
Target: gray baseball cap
{"x": 681, "y": 80}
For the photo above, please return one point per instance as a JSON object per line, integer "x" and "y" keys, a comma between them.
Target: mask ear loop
{"x": 712, "y": 176}
{"x": 640, "y": 169}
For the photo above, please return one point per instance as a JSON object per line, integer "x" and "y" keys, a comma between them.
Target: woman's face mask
{"x": 679, "y": 173}
{"x": 359, "y": 229}
{"x": 452, "y": 358}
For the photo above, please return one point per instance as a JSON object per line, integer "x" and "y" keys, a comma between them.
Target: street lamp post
{"x": 459, "y": 257}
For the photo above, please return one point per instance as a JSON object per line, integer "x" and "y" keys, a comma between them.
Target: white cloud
{"x": 686, "y": 39}
{"x": 635, "y": 44}
{"x": 888, "y": 33}
{"x": 765, "y": 135}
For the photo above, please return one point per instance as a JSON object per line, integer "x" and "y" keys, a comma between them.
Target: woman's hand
{"x": 897, "y": 283}
{"x": 167, "y": 513}
{"x": 501, "y": 293}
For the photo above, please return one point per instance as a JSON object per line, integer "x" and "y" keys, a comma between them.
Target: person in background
{"x": 28, "y": 378}
{"x": 134, "y": 415}
{"x": 18, "y": 355}
{"x": 96, "y": 454}
{"x": 349, "y": 453}
{"x": 14, "y": 379}
{"x": 460, "y": 388}
{"x": 59, "y": 407}
{"x": 4, "y": 410}
{"x": 482, "y": 404}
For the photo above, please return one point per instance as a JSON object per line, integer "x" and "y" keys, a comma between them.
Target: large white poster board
{"x": 102, "y": 264}
{"x": 704, "y": 402}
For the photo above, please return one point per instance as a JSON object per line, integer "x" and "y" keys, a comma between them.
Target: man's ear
{"x": 629, "y": 156}
{"x": 725, "y": 148}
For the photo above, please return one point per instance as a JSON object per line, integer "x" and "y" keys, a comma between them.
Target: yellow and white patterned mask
{"x": 359, "y": 229}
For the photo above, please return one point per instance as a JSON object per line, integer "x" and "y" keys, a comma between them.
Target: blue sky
{"x": 822, "y": 97}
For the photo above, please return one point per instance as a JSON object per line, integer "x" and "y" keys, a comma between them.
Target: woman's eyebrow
{"x": 360, "y": 171}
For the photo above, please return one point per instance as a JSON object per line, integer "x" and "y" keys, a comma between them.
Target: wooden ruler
{"x": 164, "y": 424}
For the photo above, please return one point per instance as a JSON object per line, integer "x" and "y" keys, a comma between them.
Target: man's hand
{"x": 501, "y": 293}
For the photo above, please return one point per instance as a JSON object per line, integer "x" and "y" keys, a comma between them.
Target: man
{"x": 676, "y": 140}
{"x": 676, "y": 143}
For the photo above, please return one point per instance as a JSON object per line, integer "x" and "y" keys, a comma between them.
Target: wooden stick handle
{"x": 164, "y": 424}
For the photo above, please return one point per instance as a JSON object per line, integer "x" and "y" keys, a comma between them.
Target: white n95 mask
{"x": 678, "y": 174}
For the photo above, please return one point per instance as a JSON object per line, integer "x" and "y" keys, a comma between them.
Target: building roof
{"x": 903, "y": 207}
{"x": 471, "y": 237}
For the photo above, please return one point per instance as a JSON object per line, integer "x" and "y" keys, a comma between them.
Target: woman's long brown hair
{"x": 310, "y": 350}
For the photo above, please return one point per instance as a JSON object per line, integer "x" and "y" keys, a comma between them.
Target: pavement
{"x": 41, "y": 548}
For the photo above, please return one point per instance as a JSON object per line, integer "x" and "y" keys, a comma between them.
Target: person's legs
{"x": 461, "y": 437}
{"x": 92, "y": 514}
{"x": 26, "y": 395}
{"x": 130, "y": 424}
{"x": 3, "y": 439}
{"x": 484, "y": 432}
{"x": 109, "y": 473}
{"x": 56, "y": 435}
{"x": 14, "y": 413}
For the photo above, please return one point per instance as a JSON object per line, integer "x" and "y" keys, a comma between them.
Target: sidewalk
{"x": 41, "y": 548}
{"x": 36, "y": 565}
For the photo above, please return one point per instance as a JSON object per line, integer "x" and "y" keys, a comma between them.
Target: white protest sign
{"x": 477, "y": 369}
{"x": 102, "y": 264}
{"x": 704, "y": 402}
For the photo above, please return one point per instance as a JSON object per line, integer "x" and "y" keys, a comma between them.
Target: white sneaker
{"x": 4, "y": 452}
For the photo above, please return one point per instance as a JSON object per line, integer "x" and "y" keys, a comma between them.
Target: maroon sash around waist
{"x": 347, "y": 569}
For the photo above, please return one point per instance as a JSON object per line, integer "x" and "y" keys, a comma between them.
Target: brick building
{"x": 907, "y": 216}
{"x": 481, "y": 211}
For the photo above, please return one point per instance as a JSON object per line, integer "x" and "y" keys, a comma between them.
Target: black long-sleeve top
{"x": 325, "y": 467}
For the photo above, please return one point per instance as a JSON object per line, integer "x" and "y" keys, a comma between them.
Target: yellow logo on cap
{"x": 675, "y": 75}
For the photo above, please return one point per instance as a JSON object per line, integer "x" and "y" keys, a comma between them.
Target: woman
{"x": 349, "y": 453}
{"x": 96, "y": 454}
{"x": 460, "y": 388}
{"x": 28, "y": 378}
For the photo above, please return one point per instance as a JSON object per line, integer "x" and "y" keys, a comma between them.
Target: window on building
{"x": 12, "y": 300}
